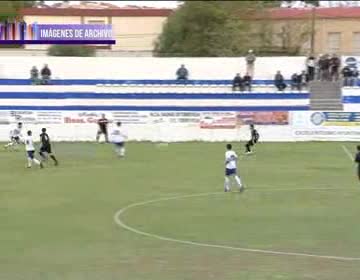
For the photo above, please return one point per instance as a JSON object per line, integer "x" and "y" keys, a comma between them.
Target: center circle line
{"x": 118, "y": 215}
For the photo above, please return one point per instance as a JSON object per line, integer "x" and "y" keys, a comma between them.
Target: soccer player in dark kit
{"x": 254, "y": 139}
{"x": 45, "y": 148}
{"x": 103, "y": 128}
{"x": 357, "y": 160}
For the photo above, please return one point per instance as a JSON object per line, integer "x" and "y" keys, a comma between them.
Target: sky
{"x": 157, "y": 4}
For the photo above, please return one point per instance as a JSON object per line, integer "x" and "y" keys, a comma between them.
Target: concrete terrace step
{"x": 325, "y": 95}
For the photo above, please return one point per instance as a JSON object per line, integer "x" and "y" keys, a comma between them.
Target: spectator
{"x": 250, "y": 63}
{"x": 182, "y": 73}
{"x": 45, "y": 75}
{"x": 347, "y": 74}
{"x": 34, "y": 75}
{"x": 354, "y": 76}
{"x": 310, "y": 64}
{"x": 238, "y": 83}
{"x": 303, "y": 80}
{"x": 334, "y": 67}
{"x": 247, "y": 80}
{"x": 295, "y": 82}
{"x": 324, "y": 65}
{"x": 279, "y": 81}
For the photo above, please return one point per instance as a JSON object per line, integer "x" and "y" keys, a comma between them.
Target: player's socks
{"x": 122, "y": 152}
{"x": 29, "y": 163}
{"x": 238, "y": 181}
{"x": 227, "y": 184}
{"x": 54, "y": 159}
{"x": 9, "y": 145}
{"x": 42, "y": 155}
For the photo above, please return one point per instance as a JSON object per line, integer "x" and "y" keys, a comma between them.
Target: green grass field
{"x": 301, "y": 198}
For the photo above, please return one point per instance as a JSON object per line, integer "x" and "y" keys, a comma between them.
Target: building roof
{"x": 94, "y": 9}
{"x": 326, "y": 13}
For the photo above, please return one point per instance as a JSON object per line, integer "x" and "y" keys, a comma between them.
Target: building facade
{"x": 135, "y": 29}
{"x": 318, "y": 30}
{"x": 328, "y": 30}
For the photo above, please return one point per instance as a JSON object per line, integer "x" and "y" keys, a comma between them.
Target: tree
{"x": 293, "y": 36}
{"x": 71, "y": 50}
{"x": 9, "y": 10}
{"x": 207, "y": 28}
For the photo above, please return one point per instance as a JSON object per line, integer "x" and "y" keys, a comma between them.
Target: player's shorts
{"x": 252, "y": 142}
{"x": 15, "y": 139}
{"x": 230, "y": 172}
{"x": 30, "y": 154}
{"x": 120, "y": 145}
{"x": 45, "y": 149}
{"x": 103, "y": 131}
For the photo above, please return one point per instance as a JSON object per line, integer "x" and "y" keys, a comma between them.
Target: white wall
{"x": 147, "y": 68}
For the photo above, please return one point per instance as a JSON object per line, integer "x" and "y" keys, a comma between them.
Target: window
{"x": 356, "y": 43}
{"x": 333, "y": 42}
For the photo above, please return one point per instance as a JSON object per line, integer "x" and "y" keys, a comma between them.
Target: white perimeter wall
{"x": 147, "y": 68}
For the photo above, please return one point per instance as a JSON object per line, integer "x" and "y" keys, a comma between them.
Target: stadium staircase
{"x": 326, "y": 96}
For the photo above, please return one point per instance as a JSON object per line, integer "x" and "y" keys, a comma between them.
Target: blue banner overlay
{"x": 23, "y": 33}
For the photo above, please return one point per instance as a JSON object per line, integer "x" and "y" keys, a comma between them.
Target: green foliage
{"x": 216, "y": 28}
{"x": 9, "y": 10}
{"x": 71, "y": 50}
{"x": 200, "y": 28}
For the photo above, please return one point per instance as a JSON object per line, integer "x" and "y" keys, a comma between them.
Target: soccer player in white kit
{"x": 118, "y": 137}
{"x": 15, "y": 136}
{"x": 230, "y": 169}
{"x": 30, "y": 150}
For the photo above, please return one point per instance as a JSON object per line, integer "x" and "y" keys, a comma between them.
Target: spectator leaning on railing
{"x": 34, "y": 76}
{"x": 310, "y": 65}
{"x": 347, "y": 76}
{"x": 334, "y": 67}
{"x": 45, "y": 75}
{"x": 238, "y": 83}
{"x": 324, "y": 67}
{"x": 350, "y": 76}
{"x": 279, "y": 81}
{"x": 355, "y": 77}
{"x": 182, "y": 73}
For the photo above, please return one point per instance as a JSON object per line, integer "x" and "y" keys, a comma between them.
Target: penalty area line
{"x": 118, "y": 215}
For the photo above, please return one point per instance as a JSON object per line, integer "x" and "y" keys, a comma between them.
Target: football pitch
{"x": 161, "y": 214}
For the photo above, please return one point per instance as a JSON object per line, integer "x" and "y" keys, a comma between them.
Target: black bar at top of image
{"x": 57, "y": 42}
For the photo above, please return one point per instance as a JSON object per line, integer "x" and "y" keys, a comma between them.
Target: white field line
{"x": 346, "y": 150}
{"x": 118, "y": 215}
